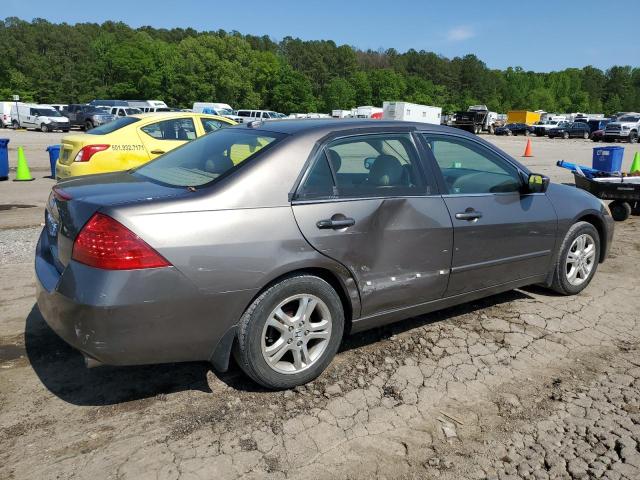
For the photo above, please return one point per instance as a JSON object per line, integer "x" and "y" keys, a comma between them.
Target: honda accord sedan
{"x": 271, "y": 241}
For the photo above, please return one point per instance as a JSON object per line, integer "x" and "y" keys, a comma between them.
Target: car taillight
{"x": 85, "y": 153}
{"x": 105, "y": 243}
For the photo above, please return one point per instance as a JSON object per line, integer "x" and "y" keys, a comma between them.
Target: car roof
{"x": 327, "y": 125}
{"x": 145, "y": 116}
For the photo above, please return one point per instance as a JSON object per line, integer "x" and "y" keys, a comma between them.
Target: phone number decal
{"x": 126, "y": 148}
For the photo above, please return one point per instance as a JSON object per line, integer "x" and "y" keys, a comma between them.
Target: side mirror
{"x": 368, "y": 162}
{"x": 538, "y": 183}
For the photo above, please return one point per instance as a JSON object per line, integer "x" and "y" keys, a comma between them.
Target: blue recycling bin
{"x": 4, "y": 158}
{"x": 608, "y": 159}
{"x": 54, "y": 154}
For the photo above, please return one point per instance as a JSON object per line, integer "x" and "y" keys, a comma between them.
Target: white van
{"x": 5, "y": 114}
{"x": 41, "y": 117}
{"x": 122, "y": 111}
{"x": 149, "y": 105}
{"x": 221, "y": 109}
{"x": 251, "y": 115}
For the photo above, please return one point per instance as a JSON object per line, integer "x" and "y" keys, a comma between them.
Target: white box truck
{"x": 411, "y": 112}
{"x": 341, "y": 113}
{"x": 368, "y": 111}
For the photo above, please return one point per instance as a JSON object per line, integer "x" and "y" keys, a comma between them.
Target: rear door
{"x": 500, "y": 234}
{"x": 367, "y": 203}
{"x": 162, "y": 136}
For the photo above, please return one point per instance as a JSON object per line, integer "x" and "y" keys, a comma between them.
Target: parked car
{"x": 220, "y": 109}
{"x": 515, "y": 129}
{"x": 131, "y": 141}
{"x": 87, "y": 116}
{"x": 571, "y": 130}
{"x": 251, "y": 115}
{"x": 597, "y": 136}
{"x": 318, "y": 230}
{"x": 40, "y": 117}
{"x": 124, "y": 111}
{"x": 541, "y": 129}
{"x": 625, "y": 128}
{"x": 5, "y": 114}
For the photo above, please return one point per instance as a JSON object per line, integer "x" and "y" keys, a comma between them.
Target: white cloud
{"x": 460, "y": 33}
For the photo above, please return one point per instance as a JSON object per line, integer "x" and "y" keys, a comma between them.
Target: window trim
{"x": 444, "y": 189}
{"x": 428, "y": 188}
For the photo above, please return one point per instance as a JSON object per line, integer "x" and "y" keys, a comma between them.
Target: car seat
{"x": 386, "y": 171}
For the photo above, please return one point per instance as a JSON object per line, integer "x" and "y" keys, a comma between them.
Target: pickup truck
{"x": 541, "y": 129}
{"x": 86, "y": 116}
{"x": 624, "y": 128}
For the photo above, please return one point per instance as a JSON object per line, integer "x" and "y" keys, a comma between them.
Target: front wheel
{"x": 15, "y": 125}
{"x": 565, "y": 135}
{"x": 633, "y": 137}
{"x": 585, "y": 136}
{"x": 577, "y": 260}
{"x": 290, "y": 333}
{"x": 44, "y": 128}
{"x": 88, "y": 125}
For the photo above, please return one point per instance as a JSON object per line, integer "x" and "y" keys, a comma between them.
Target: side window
{"x": 468, "y": 167}
{"x": 375, "y": 165}
{"x": 210, "y": 125}
{"x": 319, "y": 180}
{"x": 174, "y": 129}
{"x": 32, "y": 112}
{"x": 243, "y": 113}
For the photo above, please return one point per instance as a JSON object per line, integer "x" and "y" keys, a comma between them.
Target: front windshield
{"x": 47, "y": 112}
{"x": 97, "y": 110}
{"x": 202, "y": 161}
{"x": 630, "y": 118}
{"x": 225, "y": 111}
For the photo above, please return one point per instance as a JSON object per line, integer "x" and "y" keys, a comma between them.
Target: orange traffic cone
{"x": 527, "y": 150}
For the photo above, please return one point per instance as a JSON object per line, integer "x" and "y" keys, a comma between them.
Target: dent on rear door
{"x": 398, "y": 250}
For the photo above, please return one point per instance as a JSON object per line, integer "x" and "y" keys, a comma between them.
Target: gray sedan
{"x": 271, "y": 241}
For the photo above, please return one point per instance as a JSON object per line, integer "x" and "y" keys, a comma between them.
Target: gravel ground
{"x": 525, "y": 384}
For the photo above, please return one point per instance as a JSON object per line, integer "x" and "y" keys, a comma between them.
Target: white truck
{"x": 341, "y": 113}
{"x": 625, "y": 128}
{"x": 411, "y": 112}
{"x": 149, "y": 105}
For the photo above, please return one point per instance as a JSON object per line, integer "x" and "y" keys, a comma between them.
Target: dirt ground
{"x": 524, "y": 384}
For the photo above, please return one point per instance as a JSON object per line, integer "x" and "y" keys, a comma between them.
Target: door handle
{"x": 157, "y": 152}
{"x": 469, "y": 215}
{"x": 335, "y": 224}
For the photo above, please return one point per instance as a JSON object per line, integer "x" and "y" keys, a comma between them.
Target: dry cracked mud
{"x": 525, "y": 384}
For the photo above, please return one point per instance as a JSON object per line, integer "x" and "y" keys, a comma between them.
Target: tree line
{"x": 62, "y": 63}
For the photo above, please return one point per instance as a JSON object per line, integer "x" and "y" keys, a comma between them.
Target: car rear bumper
{"x": 132, "y": 317}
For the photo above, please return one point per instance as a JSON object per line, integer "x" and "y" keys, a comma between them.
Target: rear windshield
{"x": 202, "y": 161}
{"x": 113, "y": 126}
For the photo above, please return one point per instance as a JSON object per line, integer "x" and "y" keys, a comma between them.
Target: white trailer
{"x": 411, "y": 112}
{"x": 368, "y": 111}
{"x": 341, "y": 113}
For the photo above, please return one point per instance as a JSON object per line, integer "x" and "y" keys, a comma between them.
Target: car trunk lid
{"x": 71, "y": 145}
{"x": 73, "y": 202}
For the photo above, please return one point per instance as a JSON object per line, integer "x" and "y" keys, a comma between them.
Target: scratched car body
{"x": 271, "y": 241}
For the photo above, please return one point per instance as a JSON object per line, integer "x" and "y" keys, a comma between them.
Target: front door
{"x": 165, "y": 135}
{"x": 500, "y": 234}
{"x": 367, "y": 203}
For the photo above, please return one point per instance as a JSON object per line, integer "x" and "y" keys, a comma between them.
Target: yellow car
{"x": 131, "y": 141}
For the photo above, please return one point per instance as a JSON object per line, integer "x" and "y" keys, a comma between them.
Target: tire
{"x": 572, "y": 278}
{"x": 595, "y": 139}
{"x": 527, "y": 133}
{"x": 607, "y": 139}
{"x": 633, "y": 137}
{"x": 585, "y": 136}
{"x": 88, "y": 125}
{"x": 635, "y": 208}
{"x": 44, "y": 128}
{"x": 509, "y": 133}
{"x": 66, "y": 131}
{"x": 620, "y": 211}
{"x": 15, "y": 125}
{"x": 491, "y": 130}
{"x": 565, "y": 135}
{"x": 256, "y": 335}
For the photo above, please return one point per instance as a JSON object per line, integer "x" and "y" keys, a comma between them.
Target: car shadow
{"x": 61, "y": 368}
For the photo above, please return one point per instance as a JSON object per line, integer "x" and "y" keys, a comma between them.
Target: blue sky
{"x": 542, "y": 36}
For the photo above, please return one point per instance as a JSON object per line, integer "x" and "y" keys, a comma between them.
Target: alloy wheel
{"x": 580, "y": 260}
{"x": 296, "y": 334}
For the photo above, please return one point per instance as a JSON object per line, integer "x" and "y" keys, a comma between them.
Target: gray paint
{"x": 404, "y": 256}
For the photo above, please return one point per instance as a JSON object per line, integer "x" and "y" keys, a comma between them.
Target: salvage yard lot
{"x": 523, "y": 384}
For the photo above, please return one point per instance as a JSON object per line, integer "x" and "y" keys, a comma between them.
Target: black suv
{"x": 571, "y": 130}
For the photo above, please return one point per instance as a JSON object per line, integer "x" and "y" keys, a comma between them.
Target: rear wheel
{"x": 290, "y": 333}
{"x": 15, "y": 125}
{"x": 620, "y": 211}
{"x": 577, "y": 261}
{"x": 585, "y": 135}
